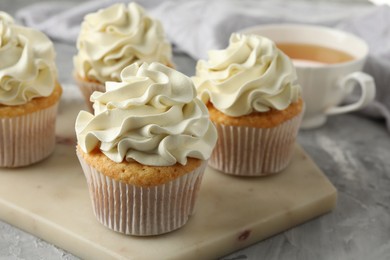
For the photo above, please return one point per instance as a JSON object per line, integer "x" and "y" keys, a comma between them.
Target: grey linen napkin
{"x": 194, "y": 27}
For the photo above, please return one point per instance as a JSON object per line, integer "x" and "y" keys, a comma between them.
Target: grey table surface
{"x": 352, "y": 150}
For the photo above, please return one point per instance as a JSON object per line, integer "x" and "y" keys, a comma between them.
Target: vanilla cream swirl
{"x": 151, "y": 116}
{"x": 27, "y": 63}
{"x": 115, "y": 37}
{"x": 4, "y": 17}
{"x": 250, "y": 75}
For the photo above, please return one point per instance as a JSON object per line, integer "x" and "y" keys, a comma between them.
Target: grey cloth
{"x": 194, "y": 27}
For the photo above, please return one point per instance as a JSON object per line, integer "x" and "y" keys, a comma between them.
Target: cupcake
{"x": 29, "y": 94}
{"x": 113, "y": 38}
{"x": 144, "y": 150}
{"x": 255, "y": 103}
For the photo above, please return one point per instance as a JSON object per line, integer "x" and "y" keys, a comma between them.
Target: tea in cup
{"x": 328, "y": 64}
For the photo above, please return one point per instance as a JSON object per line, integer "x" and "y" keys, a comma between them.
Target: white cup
{"x": 324, "y": 86}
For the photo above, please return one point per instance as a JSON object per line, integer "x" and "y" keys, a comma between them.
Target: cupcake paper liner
{"x": 27, "y": 139}
{"x": 142, "y": 211}
{"x": 250, "y": 151}
{"x": 87, "y": 88}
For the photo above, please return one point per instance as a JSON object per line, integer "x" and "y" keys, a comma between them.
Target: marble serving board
{"x": 50, "y": 200}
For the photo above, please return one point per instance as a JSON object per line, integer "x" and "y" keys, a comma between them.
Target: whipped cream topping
{"x": 151, "y": 116}
{"x": 27, "y": 67}
{"x": 4, "y": 17}
{"x": 250, "y": 75}
{"x": 115, "y": 37}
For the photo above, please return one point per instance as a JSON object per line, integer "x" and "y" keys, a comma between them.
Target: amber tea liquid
{"x": 314, "y": 53}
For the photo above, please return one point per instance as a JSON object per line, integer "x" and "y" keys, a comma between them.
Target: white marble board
{"x": 50, "y": 200}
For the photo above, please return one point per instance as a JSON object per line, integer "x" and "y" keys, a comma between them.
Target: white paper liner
{"x": 87, "y": 88}
{"x": 142, "y": 211}
{"x": 249, "y": 151}
{"x": 27, "y": 139}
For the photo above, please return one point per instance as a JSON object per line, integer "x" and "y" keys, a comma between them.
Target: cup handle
{"x": 367, "y": 85}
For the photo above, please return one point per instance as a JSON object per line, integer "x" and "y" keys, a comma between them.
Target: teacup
{"x": 328, "y": 64}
